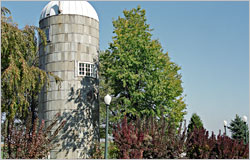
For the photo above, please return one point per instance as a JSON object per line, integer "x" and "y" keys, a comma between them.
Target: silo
{"x": 72, "y": 31}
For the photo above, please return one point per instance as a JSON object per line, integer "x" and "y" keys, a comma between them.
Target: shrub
{"x": 98, "y": 151}
{"x": 30, "y": 141}
{"x": 201, "y": 146}
{"x": 149, "y": 138}
{"x": 159, "y": 139}
{"x": 227, "y": 148}
{"x": 129, "y": 140}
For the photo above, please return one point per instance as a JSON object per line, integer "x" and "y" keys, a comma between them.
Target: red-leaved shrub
{"x": 30, "y": 141}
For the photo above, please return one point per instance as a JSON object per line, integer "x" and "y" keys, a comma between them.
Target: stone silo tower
{"x": 72, "y": 31}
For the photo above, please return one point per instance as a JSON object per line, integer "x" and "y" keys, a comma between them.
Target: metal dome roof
{"x": 69, "y": 7}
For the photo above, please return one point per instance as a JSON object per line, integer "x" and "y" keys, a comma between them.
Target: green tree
{"x": 195, "y": 122}
{"x": 22, "y": 80}
{"x": 239, "y": 129}
{"x": 143, "y": 79}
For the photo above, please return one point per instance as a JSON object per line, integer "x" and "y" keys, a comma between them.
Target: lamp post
{"x": 225, "y": 127}
{"x": 245, "y": 122}
{"x": 107, "y": 100}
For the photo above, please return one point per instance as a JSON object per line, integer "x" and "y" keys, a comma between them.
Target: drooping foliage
{"x": 195, "y": 122}
{"x": 239, "y": 129}
{"x": 21, "y": 78}
{"x": 143, "y": 79}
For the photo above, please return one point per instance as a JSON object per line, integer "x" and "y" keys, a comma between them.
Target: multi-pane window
{"x": 86, "y": 69}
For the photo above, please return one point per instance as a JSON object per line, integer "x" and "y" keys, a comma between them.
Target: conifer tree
{"x": 195, "y": 122}
{"x": 239, "y": 129}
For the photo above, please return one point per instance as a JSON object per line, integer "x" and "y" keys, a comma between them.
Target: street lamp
{"x": 225, "y": 127}
{"x": 107, "y": 100}
{"x": 245, "y": 122}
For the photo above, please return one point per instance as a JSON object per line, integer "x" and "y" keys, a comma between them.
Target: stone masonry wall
{"x": 73, "y": 38}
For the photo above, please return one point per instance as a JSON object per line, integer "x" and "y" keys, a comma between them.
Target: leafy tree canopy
{"x": 239, "y": 129}
{"x": 141, "y": 78}
{"x": 195, "y": 122}
{"x": 22, "y": 80}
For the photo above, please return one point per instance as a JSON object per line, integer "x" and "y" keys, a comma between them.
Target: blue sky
{"x": 209, "y": 40}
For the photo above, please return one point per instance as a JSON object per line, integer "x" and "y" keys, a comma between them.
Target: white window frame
{"x": 91, "y": 71}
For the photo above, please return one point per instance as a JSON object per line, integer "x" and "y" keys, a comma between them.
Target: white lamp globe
{"x": 245, "y": 118}
{"x": 107, "y": 99}
{"x": 225, "y": 123}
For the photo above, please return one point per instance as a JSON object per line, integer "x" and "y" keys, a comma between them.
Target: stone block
{"x": 52, "y": 20}
{"x": 85, "y": 39}
{"x": 93, "y": 32}
{"x": 51, "y": 57}
{"x": 53, "y": 67}
{"x": 58, "y": 95}
{"x": 66, "y": 37}
{"x": 80, "y": 20}
{"x": 80, "y": 28}
{"x": 66, "y": 18}
{"x": 70, "y": 66}
{"x": 96, "y": 42}
{"x": 78, "y": 38}
{"x": 97, "y": 25}
{"x": 56, "y": 47}
{"x": 86, "y": 29}
{"x": 60, "y": 38}
{"x": 54, "y": 95}
{"x": 92, "y": 49}
{"x": 67, "y": 48}
{"x": 81, "y": 39}
{"x": 54, "y": 29}
{"x": 79, "y": 47}
{"x": 66, "y": 56}
{"x": 72, "y": 56}
{"x": 48, "y": 67}
{"x": 48, "y": 106}
{"x": 63, "y": 56}
{"x": 87, "y": 50}
{"x": 89, "y": 39}
{"x": 59, "y": 19}
{"x": 73, "y": 47}
{"x": 73, "y": 28}
{"x": 72, "y": 19}
{"x": 78, "y": 56}
{"x": 70, "y": 75}
{"x": 59, "y": 56}
{"x": 55, "y": 56}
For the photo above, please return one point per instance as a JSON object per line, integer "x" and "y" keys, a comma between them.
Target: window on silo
{"x": 47, "y": 34}
{"x": 88, "y": 66}
{"x": 81, "y": 69}
{"x": 86, "y": 69}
